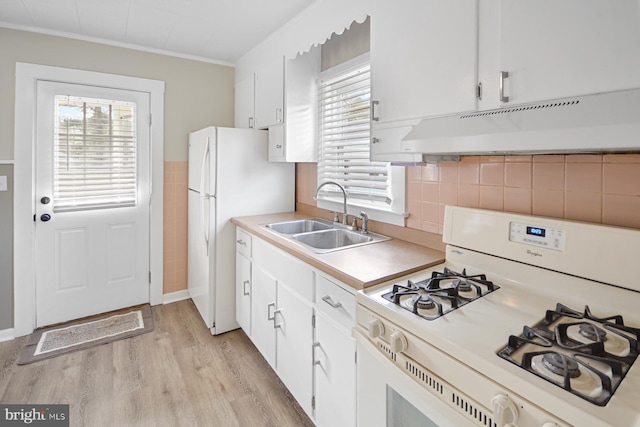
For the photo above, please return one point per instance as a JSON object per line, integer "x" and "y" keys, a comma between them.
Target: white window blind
{"x": 94, "y": 154}
{"x": 344, "y": 99}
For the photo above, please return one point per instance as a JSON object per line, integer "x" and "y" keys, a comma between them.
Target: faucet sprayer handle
{"x": 365, "y": 220}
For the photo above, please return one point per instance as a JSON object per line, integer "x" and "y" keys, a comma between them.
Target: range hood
{"x": 607, "y": 122}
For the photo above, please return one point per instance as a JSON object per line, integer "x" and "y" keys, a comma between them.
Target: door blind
{"x": 94, "y": 160}
{"x": 344, "y": 138}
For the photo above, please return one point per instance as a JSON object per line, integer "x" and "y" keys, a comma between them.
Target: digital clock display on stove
{"x": 536, "y": 231}
{"x": 542, "y": 237}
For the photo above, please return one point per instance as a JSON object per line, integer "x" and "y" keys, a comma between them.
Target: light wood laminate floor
{"x": 177, "y": 375}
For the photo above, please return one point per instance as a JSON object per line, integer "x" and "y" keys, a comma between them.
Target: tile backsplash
{"x": 176, "y": 178}
{"x": 593, "y": 188}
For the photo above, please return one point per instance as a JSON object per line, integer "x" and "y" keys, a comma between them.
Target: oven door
{"x": 387, "y": 397}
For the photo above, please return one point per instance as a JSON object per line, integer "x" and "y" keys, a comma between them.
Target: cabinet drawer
{"x": 287, "y": 269}
{"x": 243, "y": 242}
{"x": 339, "y": 304}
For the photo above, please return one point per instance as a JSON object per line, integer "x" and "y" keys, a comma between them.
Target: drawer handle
{"x": 241, "y": 242}
{"x": 313, "y": 351}
{"x": 275, "y": 323}
{"x": 331, "y": 302}
{"x": 269, "y": 307}
{"x": 244, "y": 287}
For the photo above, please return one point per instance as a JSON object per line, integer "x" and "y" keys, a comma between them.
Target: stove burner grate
{"x": 566, "y": 357}
{"x": 442, "y": 293}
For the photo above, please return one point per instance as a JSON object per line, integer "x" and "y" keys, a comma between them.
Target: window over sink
{"x": 344, "y": 98}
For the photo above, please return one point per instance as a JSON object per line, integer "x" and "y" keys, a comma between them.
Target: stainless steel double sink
{"x": 322, "y": 236}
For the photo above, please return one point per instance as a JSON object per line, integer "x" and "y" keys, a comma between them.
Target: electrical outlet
{"x": 3, "y": 183}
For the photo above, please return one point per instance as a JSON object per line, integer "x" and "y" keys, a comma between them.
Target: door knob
{"x": 45, "y": 217}
{"x": 45, "y": 200}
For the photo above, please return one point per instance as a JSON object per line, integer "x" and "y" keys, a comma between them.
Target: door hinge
{"x": 313, "y": 320}
{"x": 150, "y": 119}
{"x": 313, "y": 402}
{"x": 479, "y": 91}
{"x": 149, "y": 277}
{"x": 34, "y": 217}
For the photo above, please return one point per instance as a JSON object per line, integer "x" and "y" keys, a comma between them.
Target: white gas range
{"x": 517, "y": 346}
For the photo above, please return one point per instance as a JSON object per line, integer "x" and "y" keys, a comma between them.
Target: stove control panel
{"x": 549, "y": 238}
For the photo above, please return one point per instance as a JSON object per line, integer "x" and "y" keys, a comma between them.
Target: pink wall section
{"x": 175, "y": 226}
{"x": 594, "y": 188}
{"x": 603, "y": 189}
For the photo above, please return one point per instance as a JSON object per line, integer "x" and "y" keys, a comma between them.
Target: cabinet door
{"x": 276, "y": 143}
{"x": 335, "y": 373}
{"x": 423, "y": 58}
{"x": 555, "y": 49}
{"x": 245, "y": 103}
{"x": 243, "y": 293}
{"x": 270, "y": 94}
{"x": 263, "y": 306}
{"x": 294, "y": 345}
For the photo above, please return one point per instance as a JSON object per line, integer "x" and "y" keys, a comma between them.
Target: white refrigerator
{"x": 229, "y": 176}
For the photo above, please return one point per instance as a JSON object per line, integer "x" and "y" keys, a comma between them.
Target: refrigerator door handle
{"x": 205, "y": 228}
{"x": 204, "y": 197}
{"x": 203, "y": 168}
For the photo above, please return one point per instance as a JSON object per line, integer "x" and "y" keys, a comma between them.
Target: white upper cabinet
{"x": 270, "y": 94}
{"x": 245, "y": 107}
{"x": 423, "y": 58}
{"x": 553, "y": 49}
{"x": 282, "y": 97}
{"x": 295, "y": 139}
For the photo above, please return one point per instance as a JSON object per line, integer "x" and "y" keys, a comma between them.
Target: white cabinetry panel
{"x": 245, "y": 107}
{"x": 270, "y": 94}
{"x": 263, "y": 306}
{"x": 557, "y": 49}
{"x": 243, "y": 293}
{"x": 423, "y": 64}
{"x": 335, "y": 374}
{"x": 301, "y": 323}
{"x": 423, "y": 58}
{"x": 334, "y": 355}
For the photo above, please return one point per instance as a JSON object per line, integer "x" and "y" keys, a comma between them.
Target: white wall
{"x": 310, "y": 28}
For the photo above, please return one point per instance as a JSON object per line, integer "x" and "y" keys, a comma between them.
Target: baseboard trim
{"x": 176, "y": 296}
{"x": 7, "y": 335}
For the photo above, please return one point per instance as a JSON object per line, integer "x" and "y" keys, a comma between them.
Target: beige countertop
{"x": 358, "y": 267}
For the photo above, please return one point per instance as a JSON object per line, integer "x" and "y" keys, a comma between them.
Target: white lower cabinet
{"x": 294, "y": 344}
{"x": 282, "y": 316}
{"x": 243, "y": 292}
{"x": 301, "y": 322}
{"x": 263, "y": 307}
{"x": 334, "y": 356}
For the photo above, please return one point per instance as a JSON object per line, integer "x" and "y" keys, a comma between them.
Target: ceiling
{"x": 216, "y": 30}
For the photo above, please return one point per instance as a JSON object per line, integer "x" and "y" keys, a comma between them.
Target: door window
{"x": 94, "y": 163}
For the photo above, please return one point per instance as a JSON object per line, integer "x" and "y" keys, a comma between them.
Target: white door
{"x": 263, "y": 306}
{"x": 423, "y": 58}
{"x": 335, "y": 374}
{"x": 269, "y": 89}
{"x": 92, "y": 200}
{"x": 294, "y": 344}
{"x": 243, "y": 293}
{"x": 557, "y": 49}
